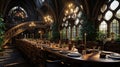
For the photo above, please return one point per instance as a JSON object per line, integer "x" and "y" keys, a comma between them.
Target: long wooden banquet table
{"x": 97, "y": 58}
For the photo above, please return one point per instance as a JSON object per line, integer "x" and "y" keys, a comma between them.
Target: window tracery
{"x": 72, "y": 21}
{"x": 109, "y": 17}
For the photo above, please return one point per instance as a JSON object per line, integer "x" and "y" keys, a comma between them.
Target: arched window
{"x": 114, "y": 27}
{"x": 18, "y": 13}
{"x": 103, "y": 27}
{"x": 110, "y": 15}
{"x": 72, "y": 15}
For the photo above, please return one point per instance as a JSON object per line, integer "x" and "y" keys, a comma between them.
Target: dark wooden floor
{"x": 13, "y": 58}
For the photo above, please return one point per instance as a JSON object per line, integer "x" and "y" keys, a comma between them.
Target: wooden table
{"x": 87, "y": 60}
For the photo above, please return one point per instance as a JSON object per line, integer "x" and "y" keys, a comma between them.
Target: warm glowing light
{"x": 70, "y": 5}
{"x": 76, "y": 10}
{"x": 81, "y": 7}
{"x": 66, "y": 12}
{"x": 32, "y": 24}
{"x": 103, "y": 27}
{"x": 48, "y": 19}
{"x": 39, "y": 31}
{"x": 71, "y": 10}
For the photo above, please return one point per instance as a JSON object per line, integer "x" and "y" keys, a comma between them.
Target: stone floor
{"x": 13, "y": 58}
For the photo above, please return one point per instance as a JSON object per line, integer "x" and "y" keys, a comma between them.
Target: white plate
{"x": 115, "y": 56}
{"x": 55, "y": 49}
{"x": 64, "y": 52}
{"x": 74, "y": 54}
{"x": 107, "y": 52}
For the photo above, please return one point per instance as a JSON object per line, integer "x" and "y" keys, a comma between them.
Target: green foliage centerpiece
{"x": 2, "y": 31}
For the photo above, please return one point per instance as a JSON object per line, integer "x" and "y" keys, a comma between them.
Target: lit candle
{"x": 85, "y": 38}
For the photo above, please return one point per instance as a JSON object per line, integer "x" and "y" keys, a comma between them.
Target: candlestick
{"x": 85, "y": 40}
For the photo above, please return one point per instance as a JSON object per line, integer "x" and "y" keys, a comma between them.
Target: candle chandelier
{"x": 72, "y": 15}
{"x": 48, "y": 19}
{"x": 71, "y": 10}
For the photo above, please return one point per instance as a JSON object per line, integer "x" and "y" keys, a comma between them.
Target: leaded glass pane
{"x": 79, "y": 31}
{"x": 114, "y": 5}
{"x": 68, "y": 32}
{"x": 73, "y": 33}
{"x": 108, "y": 15}
{"x": 79, "y": 14}
{"x": 114, "y": 26}
{"x": 118, "y": 14}
{"x": 81, "y": 7}
{"x": 100, "y": 17}
{"x": 77, "y": 21}
{"x": 66, "y": 24}
{"x": 104, "y": 7}
{"x": 64, "y": 33}
{"x": 103, "y": 27}
{"x": 76, "y": 10}
{"x": 64, "y": 18}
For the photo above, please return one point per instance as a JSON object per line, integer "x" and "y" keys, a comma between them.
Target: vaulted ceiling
{"x": 36, "y": 9}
